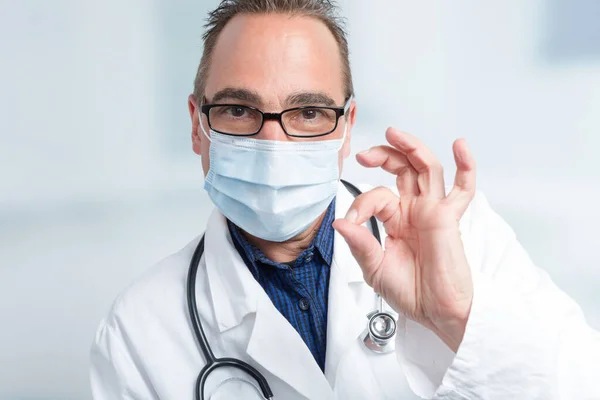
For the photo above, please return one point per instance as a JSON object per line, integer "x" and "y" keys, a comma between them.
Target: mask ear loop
{"x": 343, "y": 138}
{"x": 346, "y": 108}
{"x": 202, "y": 126}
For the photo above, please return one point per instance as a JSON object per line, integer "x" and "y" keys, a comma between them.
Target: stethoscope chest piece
{"x": 380, "y": 332}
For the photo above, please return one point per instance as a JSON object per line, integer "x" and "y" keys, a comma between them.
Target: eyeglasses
{"x": 305, "y": 122}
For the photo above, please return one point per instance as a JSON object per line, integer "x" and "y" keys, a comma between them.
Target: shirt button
{"x": 309, "y": 257}
{"x": 304, "y": 304}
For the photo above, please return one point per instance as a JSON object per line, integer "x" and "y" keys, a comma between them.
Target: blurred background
{"x": 98, "y": 180}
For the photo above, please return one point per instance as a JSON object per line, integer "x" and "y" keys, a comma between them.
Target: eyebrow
{"x": 294, "y": 100}
{"x": 309, "y": 99}
{"x": 238, "y": 94}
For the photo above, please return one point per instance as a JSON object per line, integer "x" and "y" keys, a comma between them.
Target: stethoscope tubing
{"x": 212, "y": 362}
{"x": 372, "y": 221}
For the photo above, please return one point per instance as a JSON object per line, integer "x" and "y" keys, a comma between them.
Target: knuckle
{"x": 434, "y": 167}
{"x": 383, "y": 191}
{"x": 380, "y": 150}
{"x": 361, "y": 201}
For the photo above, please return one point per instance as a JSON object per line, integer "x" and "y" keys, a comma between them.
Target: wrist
{"x": 452, "y": 331}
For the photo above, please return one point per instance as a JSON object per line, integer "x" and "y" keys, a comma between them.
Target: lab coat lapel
{"x": 271, "y": 341}
{"x": 276, "y": 346}
{"x": 233, "y": 289}
{"x": 346, "y": 318}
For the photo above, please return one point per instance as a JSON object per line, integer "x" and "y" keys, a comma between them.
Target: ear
{"x": 351, "y": 118}
{"x": 196, "y": 121}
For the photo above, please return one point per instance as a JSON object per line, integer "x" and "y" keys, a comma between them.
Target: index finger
{"x": 392, "y": 161}
{"x": 431, "y": 174}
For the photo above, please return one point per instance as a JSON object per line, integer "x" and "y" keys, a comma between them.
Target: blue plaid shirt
{"x": 298, "y": 289}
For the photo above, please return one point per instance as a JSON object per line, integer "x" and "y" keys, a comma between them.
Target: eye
{"x": 236, "y": 112}
{"x": 310, "y": 113}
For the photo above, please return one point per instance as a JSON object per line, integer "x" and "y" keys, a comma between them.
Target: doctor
{"x": 290, "y": 269}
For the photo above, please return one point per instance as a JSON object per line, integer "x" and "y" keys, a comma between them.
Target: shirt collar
{"x": 323, "y": 242}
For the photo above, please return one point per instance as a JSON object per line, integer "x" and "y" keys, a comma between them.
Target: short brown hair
{"x": 326, "y": 11}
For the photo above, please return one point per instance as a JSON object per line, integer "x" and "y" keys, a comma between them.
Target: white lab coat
{"x": 525, "y": 338}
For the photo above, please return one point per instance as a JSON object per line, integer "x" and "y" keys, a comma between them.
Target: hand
{"x": 423, "y": 272}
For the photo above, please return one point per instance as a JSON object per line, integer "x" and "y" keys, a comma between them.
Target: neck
{"x": 283, "y": 252}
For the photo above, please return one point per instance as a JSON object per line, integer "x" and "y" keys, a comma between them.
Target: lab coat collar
{"x": 346, "y": 320}
{"x": 341, "y": 252}
{"x": 232, "y": 287}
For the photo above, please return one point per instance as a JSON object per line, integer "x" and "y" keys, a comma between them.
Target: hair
{"x": 327, "y": 11}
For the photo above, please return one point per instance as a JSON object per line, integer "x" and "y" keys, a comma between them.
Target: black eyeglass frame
{"x": 339, "y": 112}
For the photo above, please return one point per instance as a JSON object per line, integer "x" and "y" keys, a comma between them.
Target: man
{"x": 288, "y": 271}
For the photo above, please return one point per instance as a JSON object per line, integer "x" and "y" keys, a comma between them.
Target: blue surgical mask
{"x": 273, "y": 190}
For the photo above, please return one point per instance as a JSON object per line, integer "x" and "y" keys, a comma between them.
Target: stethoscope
{"x": 378, "y": 335}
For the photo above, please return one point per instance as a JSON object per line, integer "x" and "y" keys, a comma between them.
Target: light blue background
{"x": 98, "y": 180}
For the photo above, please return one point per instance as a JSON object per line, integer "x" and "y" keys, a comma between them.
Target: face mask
{"x": 271, "y": 189}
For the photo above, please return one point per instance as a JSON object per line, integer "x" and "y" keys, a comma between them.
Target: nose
{"x": 272, "y": 130}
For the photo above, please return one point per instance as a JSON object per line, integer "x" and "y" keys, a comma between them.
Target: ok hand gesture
{"x": 423, "y": 271}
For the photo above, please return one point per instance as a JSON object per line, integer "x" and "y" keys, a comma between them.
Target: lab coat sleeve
{"x": 525, "y": 338}
{"x": 114, "y": 373}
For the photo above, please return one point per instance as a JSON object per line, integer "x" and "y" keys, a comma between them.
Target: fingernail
{"x": 365, "y": 151}
{"x": 352, "y": 215}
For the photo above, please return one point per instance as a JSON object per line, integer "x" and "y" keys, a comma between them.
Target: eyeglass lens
{"x": 240, "y": 120}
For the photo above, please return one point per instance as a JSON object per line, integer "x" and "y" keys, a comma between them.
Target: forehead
{"x": 276, "y": 55}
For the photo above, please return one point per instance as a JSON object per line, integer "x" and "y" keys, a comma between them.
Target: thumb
{"x": 364, "y": 247}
